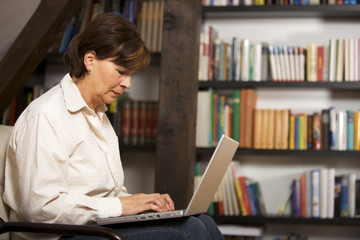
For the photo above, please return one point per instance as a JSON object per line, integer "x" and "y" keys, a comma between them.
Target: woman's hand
{"x": 141, "y": 202}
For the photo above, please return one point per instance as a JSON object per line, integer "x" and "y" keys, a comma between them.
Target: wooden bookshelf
{"x": 272, "y": 84}
{"x": 257, "y": 220}
{"x": 277, "y": 11}
{"x": 332, "y": 13}
{"x": 275, "y": 152}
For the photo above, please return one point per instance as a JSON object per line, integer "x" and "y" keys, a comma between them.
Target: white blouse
{"x": 63, "y": 163}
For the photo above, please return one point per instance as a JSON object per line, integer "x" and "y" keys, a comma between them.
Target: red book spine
{"x": 242, "y": 181}
{"x": 320, "y": 63}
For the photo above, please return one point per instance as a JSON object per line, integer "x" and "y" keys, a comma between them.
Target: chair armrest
{"x": 63, "y": 229}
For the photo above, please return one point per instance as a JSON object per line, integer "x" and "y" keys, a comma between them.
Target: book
{"x": 273, "y": 66}
{"x": 323, "y": 192}
{"x": 235, "y": 167}
{"x": 357, "y": 198}
{"x": 271, "y": 129}
{"x": 350, "y": 130}
{"x": 264, "y": 142}
{"x": 203, "y": 118}
{"x": 320, "y": 63}
{"x": 332, "y": 128}
{"x": 351, "y": 194}
{"x": 325, "y": 129}
{"x": 356, "y": 130}
{"x": 236, "y": 114}
{"x": 331, "y": 193}
{"x": 245, "y": 61}
{"x": 284, "y": 142}
{"x": 312, "y": 63}
{"x": 337, "y": 196}
{"x": 258, "y": 130}
{"x": 332, "y": 60}
{"x": 277, "y": 129}
{"x": 249, "y": 117}
{"x": 340, "y": 60}
{"x": 310, "y": 132}
{"x": 315, "y": 193}
{"x": 325, "y": 73}
{"x": 344, "y": 196}
{"x": 341, "y": 130}
{"x": 265, "y": 71}
{"x": 243, "y": 106}
{"x": 257, "y": 70}
{"x": 243, "y": 184}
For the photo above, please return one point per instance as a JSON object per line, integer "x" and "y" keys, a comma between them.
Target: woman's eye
{"x": 121, "y": 72}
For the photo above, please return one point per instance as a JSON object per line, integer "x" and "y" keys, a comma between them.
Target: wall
{"x": 14, "y": 14}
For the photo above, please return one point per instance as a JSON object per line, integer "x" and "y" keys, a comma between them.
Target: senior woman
{"x": 63, "y": 163}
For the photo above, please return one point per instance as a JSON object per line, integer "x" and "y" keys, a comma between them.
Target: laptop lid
{"x": 212, "y": 177}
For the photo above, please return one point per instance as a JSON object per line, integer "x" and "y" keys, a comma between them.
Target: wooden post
{"x": 32, "y": 45}
{"x": 177, "y": 100}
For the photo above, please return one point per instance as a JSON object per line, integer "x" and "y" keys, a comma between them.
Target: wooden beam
{"x": 177, "y": 100}
{"x": 32, "y": 45}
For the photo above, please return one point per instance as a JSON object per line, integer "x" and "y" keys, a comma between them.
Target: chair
{"x": 62, "y": 229}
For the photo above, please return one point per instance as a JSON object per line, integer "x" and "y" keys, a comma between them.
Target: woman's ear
{"x": 89, "y": 59}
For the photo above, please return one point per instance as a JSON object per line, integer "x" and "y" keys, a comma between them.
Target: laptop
{"x": 204, "y": 193}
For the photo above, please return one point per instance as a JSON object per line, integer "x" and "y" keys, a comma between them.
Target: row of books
{"x": 275, "y": 2}
{"x": 19, "y": 103}
{"x": 319, "y": 193}
{"x": 244, "y": 60}
{"x": 329, "y": 129}
{"x": 238, "y": 117}
{"x": 239, "y": 60}
{"x": 220, "y": 114}
{"x": 146, "y": 15}
{"x": 91, "y": 9}
{"x": 338, "y": 61}
{"x": 150, "y": 24}
{"x": 135, "y": 122}
{"x": 237, "y": 195}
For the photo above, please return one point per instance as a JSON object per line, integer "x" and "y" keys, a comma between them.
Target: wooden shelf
{"x": 276, "y": 11}
{"x": 256, "y": 220}
{"x": 300, "y": 153}
{"x": 272, "y": 84}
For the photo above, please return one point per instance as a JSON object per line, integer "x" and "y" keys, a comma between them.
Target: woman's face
{"x": 106, "y": 81}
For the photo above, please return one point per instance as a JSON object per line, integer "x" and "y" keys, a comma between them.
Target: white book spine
{"x": 340, "y": 61}
{"x": 245, "y": 60}
{"x": 257, "y": 62}
{"x": 282, "y": 64}
{"x": 331, "y": 193}
{"x": 352, "y": 193}
{"x": 273, "y": 69}
{"x": 287, "y": 62}
{"x": 315, "y": 180}
{"x": 292, "y": 63}
{"x": 323, "y": 192}
{"x": 341, "y": 130}
{"x": 332, "y": 60}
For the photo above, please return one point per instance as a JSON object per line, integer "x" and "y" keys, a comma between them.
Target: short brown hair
{"x": 111, "y": 37}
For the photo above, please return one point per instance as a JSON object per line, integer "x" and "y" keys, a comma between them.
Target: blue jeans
{"x": 199, "y": 227}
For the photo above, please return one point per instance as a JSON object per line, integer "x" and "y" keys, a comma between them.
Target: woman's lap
{"x": 190, "y": 228}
